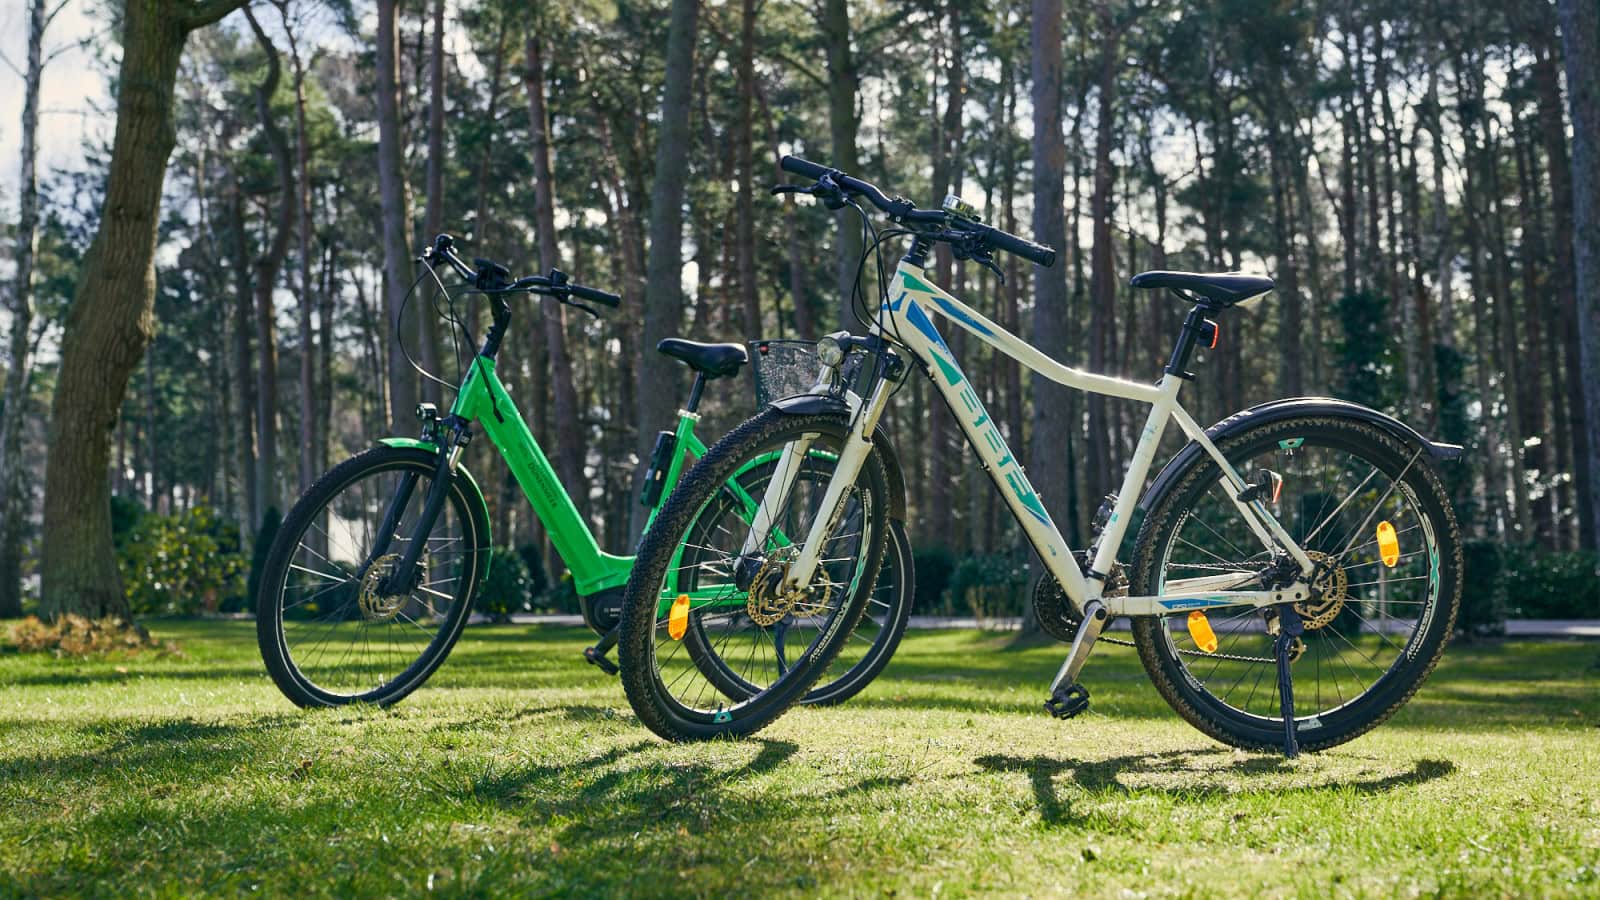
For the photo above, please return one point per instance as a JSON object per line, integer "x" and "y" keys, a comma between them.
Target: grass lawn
{"x": 519, "y": 769}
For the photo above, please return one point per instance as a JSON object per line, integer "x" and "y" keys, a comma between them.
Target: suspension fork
{"x": 846, "y": 469}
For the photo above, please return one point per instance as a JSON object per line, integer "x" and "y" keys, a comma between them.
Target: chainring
{"x": 1056, "y": 615}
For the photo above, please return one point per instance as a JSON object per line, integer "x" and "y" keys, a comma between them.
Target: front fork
{"x": 451, "y": 435}
{"x": 857, "y": 445}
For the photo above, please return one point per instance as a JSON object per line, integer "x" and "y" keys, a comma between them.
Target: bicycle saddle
{"x": 1221, "y": 289}
{"x": 710, "y": 360}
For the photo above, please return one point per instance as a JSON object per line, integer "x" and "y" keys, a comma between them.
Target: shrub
{"x": 990, "y": 585}
{"x": 1483, "y": 595}
{"x": 180, "y": 564}
{"x": 934, "y": 566}
{"x": 508, "y": 588}
{"x": 1551, "y": 585}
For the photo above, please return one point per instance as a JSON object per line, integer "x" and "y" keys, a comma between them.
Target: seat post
{"x": 1193, "y": 326}
{"x": 695, "y": 390}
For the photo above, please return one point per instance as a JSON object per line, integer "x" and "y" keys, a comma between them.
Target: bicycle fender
{"x": 474, "y": 492}
{"x": 1275, "y": 411}
{"x": 821, "y": 404}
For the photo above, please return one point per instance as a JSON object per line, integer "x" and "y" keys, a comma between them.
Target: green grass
{"x": 520, "y": 770}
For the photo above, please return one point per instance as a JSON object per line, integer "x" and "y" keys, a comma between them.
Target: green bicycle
{"x": 371, "y": 578}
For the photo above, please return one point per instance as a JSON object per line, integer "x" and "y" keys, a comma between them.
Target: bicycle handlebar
{"x": 905, "y": 211}
{"x": 554, "y": 284}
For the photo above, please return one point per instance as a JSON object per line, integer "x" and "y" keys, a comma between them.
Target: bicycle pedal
{"x": 1068, "y": 701}
{"x": 600, "y": 661}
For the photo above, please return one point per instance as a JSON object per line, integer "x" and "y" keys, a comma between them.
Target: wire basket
{"x": 786, "y": 368}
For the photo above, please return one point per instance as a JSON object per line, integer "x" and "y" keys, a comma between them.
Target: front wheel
{"x": 1371, "y": 512}
{"x": 332, "y": 630}
{"x": 716, "y": 641}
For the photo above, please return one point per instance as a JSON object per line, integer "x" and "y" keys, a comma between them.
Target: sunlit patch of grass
{"x": 519, "y": 769}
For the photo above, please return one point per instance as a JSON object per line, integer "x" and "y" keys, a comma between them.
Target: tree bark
{"x": 112, "y": 315}
{"x": 433, "y": 215}
{"x": 396, "y": 215}
{"x": 1102, "y": 275}
{"x": 13, "y": 416}
{"x": 744, "y": 155}
{"x": 1580, "y": 37}
{"x": 844, "y": 80}
{"x": 663, "y": 306}
{"x": 568, "y": 431}
{"x": 1052, "y": 423}
{"x": 310, "y": 439}
{"x": 1553, "y": 134}
{"x": 267, "y": 266}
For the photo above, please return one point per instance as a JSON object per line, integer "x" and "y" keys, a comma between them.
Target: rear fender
{"x": 1276, "y": 411}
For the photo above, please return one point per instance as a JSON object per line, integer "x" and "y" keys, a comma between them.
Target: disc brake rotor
{"x": 375, "y": 605}
{"x": 1329, "y": 590}
{"x": 772, "y": 598}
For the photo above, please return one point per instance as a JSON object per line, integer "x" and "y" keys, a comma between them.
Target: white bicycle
{"x": 1292, "y": 577}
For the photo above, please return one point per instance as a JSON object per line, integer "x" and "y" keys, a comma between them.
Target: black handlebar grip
{"x": 1028, "y": 250}
{"x": 596, "y": 296}
{"x": 804, "y": 167}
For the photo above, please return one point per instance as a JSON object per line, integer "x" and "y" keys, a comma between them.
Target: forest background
{"x": 205, "y": 273}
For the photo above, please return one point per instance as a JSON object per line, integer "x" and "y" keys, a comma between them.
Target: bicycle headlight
{"x": 830, "y": 351}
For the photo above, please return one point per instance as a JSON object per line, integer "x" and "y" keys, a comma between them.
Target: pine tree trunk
{"x": 1052, "y": 422}
{"x": 396, "y": 216}
{"x": 568, "y": 432}
{"x": 433, "y": 215}
{"x": 844, "y": 80}
{"x": 1580, "y": 37}
{"x": 1553, "y": 133}
{"x": 267, "y": 266}
{"x": 13, "y": 415}
{"x": 309, "y": 438}
{"x": 744, "y": 153}
{"x": 112, "y": 315}
{"x": 663, "y": 304}
{"x": 1102, "y": 276}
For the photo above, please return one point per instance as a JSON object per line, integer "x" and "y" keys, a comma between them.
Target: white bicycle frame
{"x": 912, "y": 295}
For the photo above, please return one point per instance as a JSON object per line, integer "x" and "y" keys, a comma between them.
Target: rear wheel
{"x": 1383, "y": 604}
{"x": 329, "y": 629}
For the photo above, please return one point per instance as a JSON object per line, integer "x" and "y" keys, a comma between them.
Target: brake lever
{"x": 583, "y": 306}
{"x": 988, "y": 262}
{"x": 777, "y": 189}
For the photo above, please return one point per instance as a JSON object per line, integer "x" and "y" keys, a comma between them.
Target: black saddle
{"x": 710, "y": 360}
{"x": 1219, "y": 289}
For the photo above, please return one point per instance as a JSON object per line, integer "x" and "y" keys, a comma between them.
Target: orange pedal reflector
{"x": 1200, "y": 630}
{"x": 678, "y": 618}
{"x": 1388, "y": 544}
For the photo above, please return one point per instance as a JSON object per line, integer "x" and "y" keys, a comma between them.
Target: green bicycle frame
{"x": 483, "y": 398}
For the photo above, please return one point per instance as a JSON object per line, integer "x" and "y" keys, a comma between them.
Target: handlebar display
{"x": 905, "y": 211}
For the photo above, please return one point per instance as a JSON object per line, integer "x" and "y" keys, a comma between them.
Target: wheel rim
{"x": 1332, "y": 502}
{"x": 342, "y": 633}
{"x": 727, "y": 657}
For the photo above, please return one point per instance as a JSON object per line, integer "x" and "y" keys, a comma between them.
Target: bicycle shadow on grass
{"x": 1188, "y": 777}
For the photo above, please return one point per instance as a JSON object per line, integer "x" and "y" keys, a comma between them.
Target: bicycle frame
{"x": 483, "y": 398}
{"x": 904, "y": 319}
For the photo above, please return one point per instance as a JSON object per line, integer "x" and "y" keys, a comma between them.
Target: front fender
{"x": 474, "y": 493}
{"x": 822, "y": 404}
